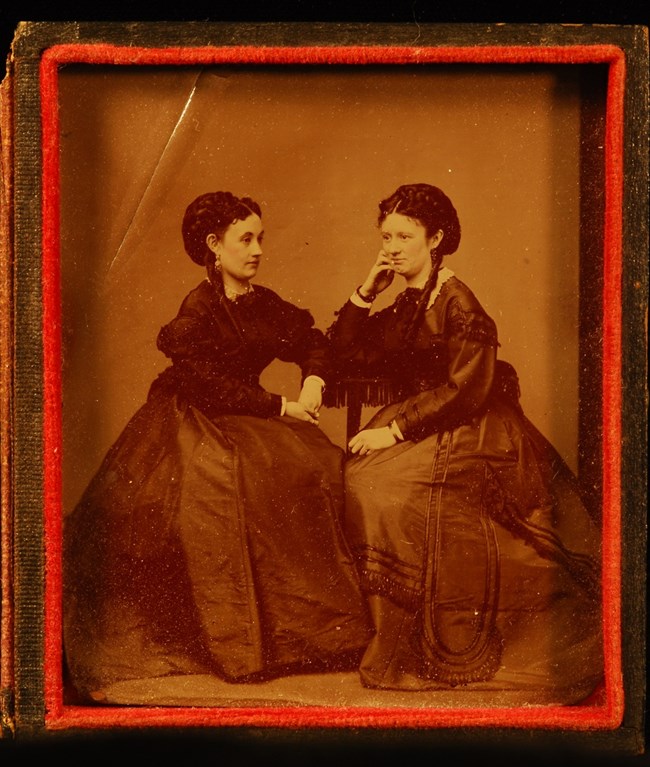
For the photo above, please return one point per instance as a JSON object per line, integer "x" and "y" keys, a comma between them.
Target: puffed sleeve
{"x": 471, "y": 339}
{"x": 204, "y": 365}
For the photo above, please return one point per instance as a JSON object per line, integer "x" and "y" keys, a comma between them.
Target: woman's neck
{"x": 233, "y": 288}
{"x": 418, "y": 280}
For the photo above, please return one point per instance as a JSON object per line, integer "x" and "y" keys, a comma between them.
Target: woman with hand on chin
{"x": 209, "y": 540}
{"x": 479, "y": 558}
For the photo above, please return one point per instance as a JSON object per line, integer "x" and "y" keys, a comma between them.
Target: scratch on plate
{"x": 172, "y": 135}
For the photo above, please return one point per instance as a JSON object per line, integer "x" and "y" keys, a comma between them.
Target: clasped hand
{"x": 299, "y": 411}
{"x": 372, "y": 439}
{"x": 308, "y": 406}
{"x": 311, "y": 396}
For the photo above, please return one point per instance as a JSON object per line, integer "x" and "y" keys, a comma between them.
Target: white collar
{"x": 443, "y": 275}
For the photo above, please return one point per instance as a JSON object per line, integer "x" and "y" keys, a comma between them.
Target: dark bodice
{"x": 443, "y": 374}
{"x": 411, "y": 367}
{"x": 219, "y": 348}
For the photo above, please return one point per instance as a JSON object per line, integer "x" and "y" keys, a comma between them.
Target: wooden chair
{"x": 355, "y": 392}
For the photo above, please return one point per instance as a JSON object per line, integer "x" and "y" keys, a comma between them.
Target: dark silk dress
{"x": 210, "y": 540}
{"x": 480, "y": 560}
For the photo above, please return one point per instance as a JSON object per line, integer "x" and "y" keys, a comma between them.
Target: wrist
{"x": 396, "y": 431}
{"x": 314, "y": 380}
{"x": 367, "y": 296}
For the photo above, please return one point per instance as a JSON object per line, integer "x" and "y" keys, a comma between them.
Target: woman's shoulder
{"x": 191, "y": 323}
{"x": 273, "y": 301}
{"x": 455, "y": 291}
{"x": 200, "y": 298}
{"x": 264, "y": 293}
{"x": 463, "y": 313}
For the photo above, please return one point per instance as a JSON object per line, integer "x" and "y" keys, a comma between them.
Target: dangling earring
{"x": 213, "y": 268}
{"x": 213, "y": 257}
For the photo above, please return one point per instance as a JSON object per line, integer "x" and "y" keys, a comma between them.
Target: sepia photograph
{"x": 247, "y": 254}
{"x": 332, "y": 376}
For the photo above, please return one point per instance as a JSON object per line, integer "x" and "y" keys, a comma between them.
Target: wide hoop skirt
{"x": 210, "y": 546}
{"x": 480, "y": 561}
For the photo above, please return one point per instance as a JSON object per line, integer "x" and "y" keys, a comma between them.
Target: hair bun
{"x": 212, "y": 213}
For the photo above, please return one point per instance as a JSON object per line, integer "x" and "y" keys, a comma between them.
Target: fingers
{"x": 371, "y": 440}
{"x": 382, "y": 271}
{"x": 308, "y": 415}
{"x": 305, "y": 416}
{"x": 301, "y": 412}
{"x": 311, "y": 416}
{"x": 354, "y": 445}
{"x": 383, "y": 261}
{"x": 312, "y": 410}
{"x": 358, "y": 445}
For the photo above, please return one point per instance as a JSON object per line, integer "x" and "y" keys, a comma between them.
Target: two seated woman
{"x": 224, "y": 533}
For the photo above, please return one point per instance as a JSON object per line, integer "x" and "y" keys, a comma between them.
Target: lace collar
{"x": 443, "y": 275}
{"x": 234, "y": 296}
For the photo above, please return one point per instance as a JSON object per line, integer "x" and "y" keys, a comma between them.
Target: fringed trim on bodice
{"x": 375, "y": 391}
{"x": 348, "y": 392}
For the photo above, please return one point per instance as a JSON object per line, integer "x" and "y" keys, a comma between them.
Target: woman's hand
{"x": 379, "y": 277}
{"x": 299, "y": 411}
{"x": 372, "y": 439}
{"x": 311, "y": 395}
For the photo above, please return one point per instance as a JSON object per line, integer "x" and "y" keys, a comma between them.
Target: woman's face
{"x": 240, "y": 249}
{"x": 408, "y": 247}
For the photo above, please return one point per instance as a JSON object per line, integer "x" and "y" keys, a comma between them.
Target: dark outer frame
{"x": 28, "y": 391}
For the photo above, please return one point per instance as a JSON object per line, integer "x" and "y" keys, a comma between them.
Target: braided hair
{"x": 432, "y": 209}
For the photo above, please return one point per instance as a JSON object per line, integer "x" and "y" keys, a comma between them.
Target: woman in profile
{"x": 480, "y": 560}
{"x": 209, "y": 541}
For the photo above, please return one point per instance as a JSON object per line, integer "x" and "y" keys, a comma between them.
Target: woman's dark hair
{"x": 430, "y": 207}
{"x": 212, "y": 213}
{"x": 433, "y": 210}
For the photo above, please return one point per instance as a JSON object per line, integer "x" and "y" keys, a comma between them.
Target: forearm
{"x": 356, "y": 336}
{"x": 215, "y": 392}
{"x": 465, "y": 393}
